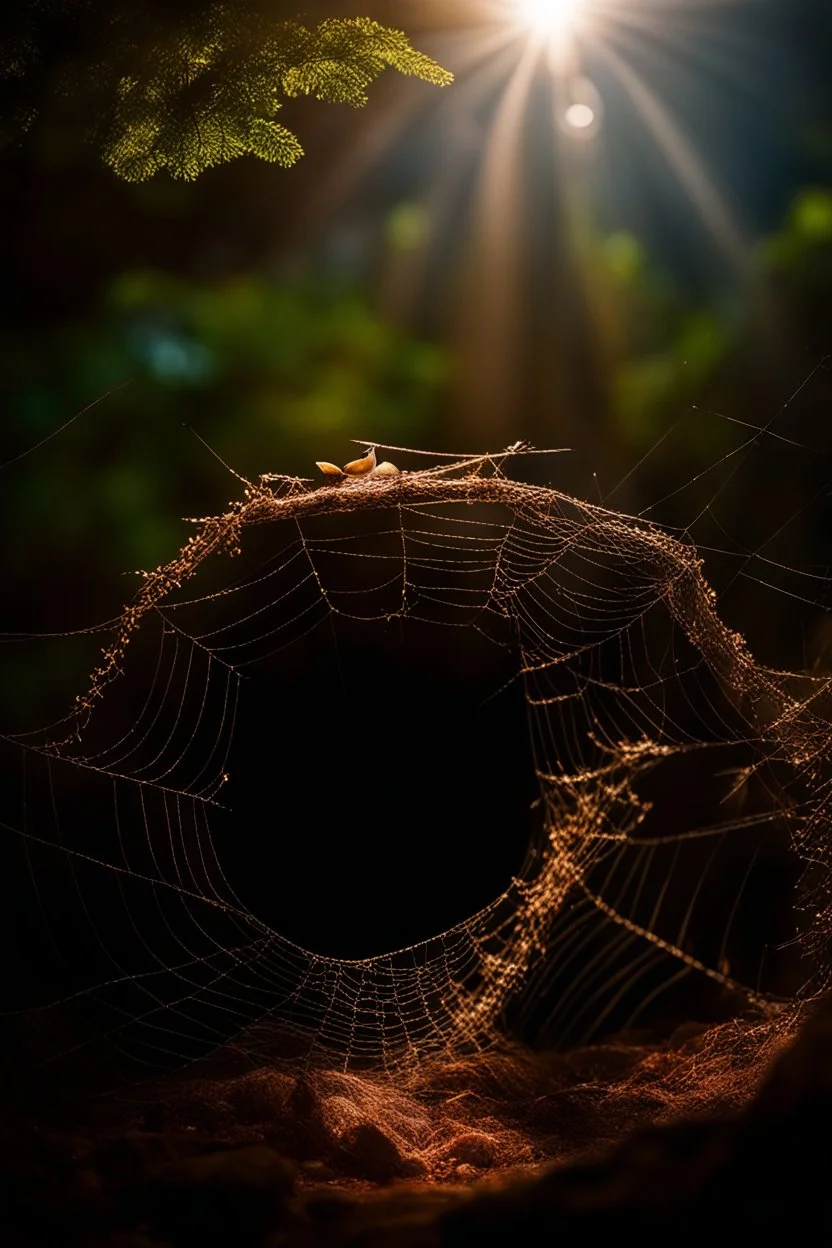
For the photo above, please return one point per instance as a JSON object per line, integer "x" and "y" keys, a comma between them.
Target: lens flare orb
{"x": 579, "y": 117}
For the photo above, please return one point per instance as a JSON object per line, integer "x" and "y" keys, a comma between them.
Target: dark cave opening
{"x": 381, "y": 785}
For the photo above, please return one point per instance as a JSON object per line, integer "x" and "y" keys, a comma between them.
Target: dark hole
{"x": 380, "y": 785}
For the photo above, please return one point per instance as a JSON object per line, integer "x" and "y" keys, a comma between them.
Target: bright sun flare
{"x": 548, "y": 19}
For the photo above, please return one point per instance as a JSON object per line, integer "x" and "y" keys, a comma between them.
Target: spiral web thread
{"x": 627, "y": 671}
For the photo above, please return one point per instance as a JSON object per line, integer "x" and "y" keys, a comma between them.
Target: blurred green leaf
{"x": 625, "y": 256}
{"x": 811, "y": 215}
{"x": 407, "y": 227}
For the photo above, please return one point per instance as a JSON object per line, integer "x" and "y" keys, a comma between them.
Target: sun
{"x": 549, "y": 20}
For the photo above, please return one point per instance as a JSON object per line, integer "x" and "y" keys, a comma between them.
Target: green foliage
{"x": 273, "y": 374}
{"x": 625, "y": 257}
{"x": 196, "y": 90}
{"x": 407, "y": 227}
{"x": 650, "y": 387}
{"x": 214, "y": 96}
{"x": 799, "y": 255}
{"x": 812, "y": 214}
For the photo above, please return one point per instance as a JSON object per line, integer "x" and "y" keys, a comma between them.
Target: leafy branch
{"x": 202, "y": 89}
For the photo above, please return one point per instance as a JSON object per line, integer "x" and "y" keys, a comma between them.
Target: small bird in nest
{"x": 366, "y": 466}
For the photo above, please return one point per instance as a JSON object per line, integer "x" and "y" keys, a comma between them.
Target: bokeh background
{"x": 646, "y": 281}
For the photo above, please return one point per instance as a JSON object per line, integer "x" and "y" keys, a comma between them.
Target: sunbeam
{"x": 567, "y": 120}
{"x": 683, "y": 159}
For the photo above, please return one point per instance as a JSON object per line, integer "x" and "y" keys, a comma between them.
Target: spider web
{"x": 681, "y": 785}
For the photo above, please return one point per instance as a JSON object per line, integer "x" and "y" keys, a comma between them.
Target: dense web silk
{"x": 635, "y": 691}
